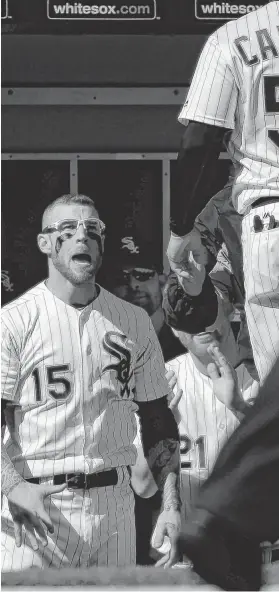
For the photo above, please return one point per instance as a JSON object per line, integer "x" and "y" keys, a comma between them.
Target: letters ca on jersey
{"x": 75, "y": 377}
{"x": 236, "y": 86}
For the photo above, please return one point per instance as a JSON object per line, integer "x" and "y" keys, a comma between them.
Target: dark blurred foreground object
{"x": 237, "y": 508}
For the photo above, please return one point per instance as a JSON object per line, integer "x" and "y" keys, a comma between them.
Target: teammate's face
{"x": 141, "y": 287}
{"x": 76, "y": 257}
{"x": 223, "y": 336}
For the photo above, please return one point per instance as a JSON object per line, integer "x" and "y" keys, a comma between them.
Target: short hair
{"x": 69, "y": 199}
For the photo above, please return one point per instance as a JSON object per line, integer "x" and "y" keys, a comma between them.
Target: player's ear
{"x": 44, "y": 243}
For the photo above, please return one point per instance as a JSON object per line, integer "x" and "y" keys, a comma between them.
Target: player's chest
{"x": 88, "y": 356}
{"x": 204, "y": 427}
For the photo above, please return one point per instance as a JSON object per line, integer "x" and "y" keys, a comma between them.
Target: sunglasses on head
{"x": 68, "y": 227}
{"x": 142, "y": 275}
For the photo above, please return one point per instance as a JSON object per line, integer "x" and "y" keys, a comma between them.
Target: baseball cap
{"x": 128, "y": 251}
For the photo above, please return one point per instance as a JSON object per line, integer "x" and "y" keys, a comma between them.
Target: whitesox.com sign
{"x": 221, "y": 10}
{"x": 101, "y": 10}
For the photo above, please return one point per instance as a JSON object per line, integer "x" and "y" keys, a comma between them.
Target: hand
{"x": 168, "y": 525}
{"x": 224, "y": 379}
{"x": 180, "y": 246}
{"x": 187, "y": 257}
{"x": 173, "y": 398}
{"x": 191, "y": 275}
{"x": 26, "y": 504}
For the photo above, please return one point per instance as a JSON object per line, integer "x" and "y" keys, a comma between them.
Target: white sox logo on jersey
{"x": 122, "y": 367}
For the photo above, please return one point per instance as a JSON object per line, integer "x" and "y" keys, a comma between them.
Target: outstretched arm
{"x": 195, "y": 169}
{"x": 194, "y": 172}
{"x": 160, "y": 441}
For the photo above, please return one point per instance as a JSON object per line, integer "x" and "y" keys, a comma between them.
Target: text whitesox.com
{"x": 215, "y": 9}
{"x": 110, "y": 10}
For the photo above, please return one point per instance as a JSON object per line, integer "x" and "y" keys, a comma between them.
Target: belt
{"x": 81, "y": 480}
{"x": 264, "y": 201}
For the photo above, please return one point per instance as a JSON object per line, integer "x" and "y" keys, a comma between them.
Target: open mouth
{"x": 82, "y": 258}
{"x": 139, "y": 297}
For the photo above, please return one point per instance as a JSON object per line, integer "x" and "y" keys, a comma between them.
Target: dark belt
{"x": 264, "y": 201}
{"x": 83, "y": 481}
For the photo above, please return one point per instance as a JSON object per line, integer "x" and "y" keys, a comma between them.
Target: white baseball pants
{"x": 91, "y": 527}
{"x": 261, "y": 277}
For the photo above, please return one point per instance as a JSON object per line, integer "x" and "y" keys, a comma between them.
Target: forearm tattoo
{"x": 164, "y": 462}
{"x": 10, "y": 478}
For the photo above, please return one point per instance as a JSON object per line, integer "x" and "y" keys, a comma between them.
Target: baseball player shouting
{"x": 77, "y": 364}
{"x": 234, "y": 98}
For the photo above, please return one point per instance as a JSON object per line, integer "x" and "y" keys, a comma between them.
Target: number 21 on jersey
{"x": 197, "y": 448}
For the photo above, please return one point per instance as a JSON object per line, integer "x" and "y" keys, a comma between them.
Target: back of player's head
{"x": 67, "y": 199}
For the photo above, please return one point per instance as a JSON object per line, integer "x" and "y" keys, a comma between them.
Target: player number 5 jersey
{"x": 236, "y": 86}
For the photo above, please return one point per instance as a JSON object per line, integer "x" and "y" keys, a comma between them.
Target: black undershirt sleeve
{"x": 194, "y": 172}
{"x": 157, "y": 423}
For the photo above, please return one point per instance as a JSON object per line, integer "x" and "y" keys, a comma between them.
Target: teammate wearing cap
{"x": 233, "y": 98}
{"x": 207, "y": 416}
{"x": 130, "y": 271}
{"x": 224, "y": 546}
{"x": 134, "y": 274}
{"x": 77, "y": 364}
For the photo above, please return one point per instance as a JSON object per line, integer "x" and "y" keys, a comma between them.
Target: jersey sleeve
{"x": 10, "y": 366}
{"x": 150, "y": 380}
{"x": 212, "y": 97}
{"x": 249, "y": 387}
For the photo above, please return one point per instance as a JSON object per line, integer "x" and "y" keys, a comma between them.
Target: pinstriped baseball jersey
{"x": 204, "y": 422}
{"x": 236, "y": 86}
{"x": 73, "y": 378}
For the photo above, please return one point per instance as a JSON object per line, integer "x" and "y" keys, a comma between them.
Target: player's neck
{"x": 74, "y": 295}
{"x": 201, "y": 364}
